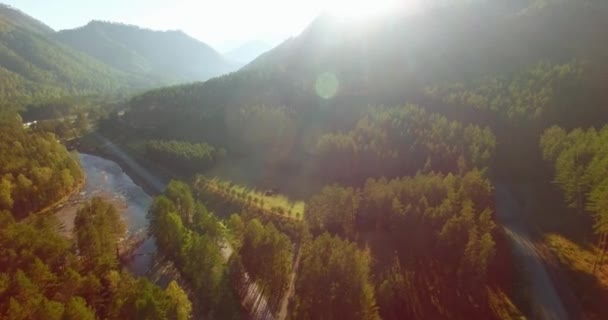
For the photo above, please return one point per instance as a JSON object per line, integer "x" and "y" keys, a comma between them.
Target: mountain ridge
{"x": 166, "y": 56}
{"x": 19, "y": 18}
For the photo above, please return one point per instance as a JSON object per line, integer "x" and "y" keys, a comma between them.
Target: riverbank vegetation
{"x": 194, "y": 239}
{"x": 42, "y": 277}
{"x": 265, "y": 254}
{"x": 35, "y": 169}
{"x": 579, "y": 159}
{"x": 183, "y": 156}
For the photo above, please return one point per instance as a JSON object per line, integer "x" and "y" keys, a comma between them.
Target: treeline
{"x": 433, "y": 239}
{"x": 183, "y": 155}
{"x": 401, "y": 140}
{"x": 67, "y": 107}
{"x": 193, "y": 239}
{"x": 254, "y": 256}
{"x": 35, "y": 169}
{"x": 341, "y": 271}
{"x": 213, "y": 108}
{"x": 522, "y": 95}
{"x": 516, "y": 66}
{"x": 42, "y": 277}
{"x": 542, "y": 93}
{"x": 35, "y": 66}
{"x": 262, "y": 129}
{"x": 68, "y": 117}
{"x": 415, "y": 247}
{"x": 580, "y": 159}
{"x": 265, "y": 254}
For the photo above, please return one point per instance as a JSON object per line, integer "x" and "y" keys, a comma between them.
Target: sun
{"x": 360, "y": 9}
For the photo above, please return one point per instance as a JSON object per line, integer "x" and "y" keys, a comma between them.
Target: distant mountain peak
{"x": 169, "y": 56}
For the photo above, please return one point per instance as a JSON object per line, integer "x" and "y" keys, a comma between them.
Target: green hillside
{"x": 402, "y": 103}
{"x": 33, "y": 65}
{"x": 162, "y": 56}
{"x": 15, "y": 17}
{"x": 496, "y": 65}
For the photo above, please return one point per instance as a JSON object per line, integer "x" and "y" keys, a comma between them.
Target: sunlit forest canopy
{"x": 375, "y": 160}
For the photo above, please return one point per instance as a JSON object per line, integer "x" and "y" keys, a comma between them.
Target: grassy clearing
{"x": 578, "y": 258}
{"x": 269, "y": 204}
{"x": 591, "y": 289}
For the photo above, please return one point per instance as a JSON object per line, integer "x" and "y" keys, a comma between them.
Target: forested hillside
{"x": 43, "y": 274}
{"x": 37, "y": 63}
{"x": 389, "y": 168}
{"x": 580, "y": 160}
{"x": 36, "y": 170}
{"x": 411, "y": 115}
{"x": 530, "y": 66}
{"x": 41, "y": 277}
{"x": 33, "y": 65}
{"x": 16, "y": 17}
{"x": 163, "y": 57}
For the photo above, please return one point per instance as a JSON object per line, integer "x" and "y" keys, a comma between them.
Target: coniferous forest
{"x": 447, "y": 164}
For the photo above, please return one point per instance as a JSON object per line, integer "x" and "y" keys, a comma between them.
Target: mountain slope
{"x": 33, "y": 65}
{"x": 164, "y": 56}
{"x": 398, "y": 58}
{"x": 442, "y": 45}
{"x": 14, "y": 17}
{"x": 507, "y": 66}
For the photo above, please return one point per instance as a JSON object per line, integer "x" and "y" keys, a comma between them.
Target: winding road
{"x": 545, "y": 301}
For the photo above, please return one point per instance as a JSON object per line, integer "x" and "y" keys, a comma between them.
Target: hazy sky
{"x": 224, "y": 24}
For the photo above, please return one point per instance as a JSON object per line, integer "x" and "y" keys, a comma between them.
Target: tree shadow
{"x": 591, "y": 294}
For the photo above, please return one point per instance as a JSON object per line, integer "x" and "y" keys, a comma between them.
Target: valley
{"x": 448, "y": 162}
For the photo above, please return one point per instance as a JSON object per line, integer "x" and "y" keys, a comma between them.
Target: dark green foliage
{"x": 41, "y": 278}
{"x": 430, "y": 240}
{"x": 180, "y": 194}
{"x": 534, "y": 62}
{"x": 525, "y": 95}
{"x": 191, "y": 237}
{"x": 580, "y": 158}
{"x": 457, "y": 208}
{"x": 394, "y": 141}
{"x": 100, "y": 58}
{"x": 33, "y": 65}
{"x": 343, "y": 272}
{"x": 428, "y": 228}
{"x": 183, "y": 155}
{"x": 35, "y": 169}
{"x": 333, "y": 210}
{"x": 266, "y": 254}
{"x": 77, "y": 309}
{"x": 98, "y": 227}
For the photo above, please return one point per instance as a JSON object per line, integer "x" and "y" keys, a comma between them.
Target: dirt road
{"x": 545, "y": 301}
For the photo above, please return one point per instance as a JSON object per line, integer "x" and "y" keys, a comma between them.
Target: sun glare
{"x": 360, "y": 9}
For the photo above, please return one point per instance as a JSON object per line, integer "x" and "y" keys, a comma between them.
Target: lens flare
{"x": 327, "y": 85}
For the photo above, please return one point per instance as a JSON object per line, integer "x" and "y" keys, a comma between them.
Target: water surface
{"x": 105, "y": 178}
